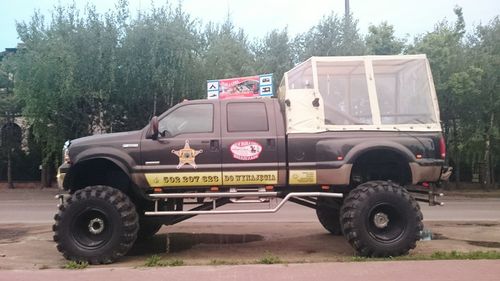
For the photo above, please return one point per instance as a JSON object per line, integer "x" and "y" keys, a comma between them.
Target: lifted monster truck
{"x": 352, "y": 137}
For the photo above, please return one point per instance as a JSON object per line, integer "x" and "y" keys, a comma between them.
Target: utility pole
{"x": 346, "y": 8}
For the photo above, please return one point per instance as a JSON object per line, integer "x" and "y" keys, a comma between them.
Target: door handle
{"x": 271, "y": 143}
{"x": 214, "y": 145}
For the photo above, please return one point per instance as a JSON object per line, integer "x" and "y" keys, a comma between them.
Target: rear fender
{"x": 364, "y": 147}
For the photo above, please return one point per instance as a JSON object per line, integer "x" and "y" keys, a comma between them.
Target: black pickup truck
{"x": 362, "y": 173}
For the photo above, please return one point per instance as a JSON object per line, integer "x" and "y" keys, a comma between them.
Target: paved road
{"x": 39, "y": 206}
{"x": 205, "y": 238}
{"x": 483, "y": 270}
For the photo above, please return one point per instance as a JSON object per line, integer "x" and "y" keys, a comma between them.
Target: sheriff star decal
{"x": 187, "y": 155}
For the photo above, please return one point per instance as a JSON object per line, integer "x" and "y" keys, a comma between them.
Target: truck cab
{"x": 211, "y": 143}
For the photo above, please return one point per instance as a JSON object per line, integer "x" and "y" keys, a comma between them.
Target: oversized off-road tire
{"x": 381, "y": 219}
{"x": 147, "y": 229}
{"x": 328, "y": 212}
{"x": 97, "y": 224}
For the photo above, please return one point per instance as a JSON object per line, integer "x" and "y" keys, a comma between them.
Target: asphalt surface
{"x": 39, "y": 206}
{"x": 293, "y": 234}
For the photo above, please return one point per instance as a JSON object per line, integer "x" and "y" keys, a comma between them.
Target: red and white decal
{"x": 246, "y": 150}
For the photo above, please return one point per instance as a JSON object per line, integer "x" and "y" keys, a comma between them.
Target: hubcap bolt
{"x": 96, "y": 226}
{"x": 381, "y": 220}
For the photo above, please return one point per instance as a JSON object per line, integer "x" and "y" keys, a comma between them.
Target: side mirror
{"x": 153, "y": 124}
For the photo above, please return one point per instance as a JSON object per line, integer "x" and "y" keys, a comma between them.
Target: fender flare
{"x": 116, "y": 156}
{"x": 368, "y": 146}
{"x": 120, "y": 159}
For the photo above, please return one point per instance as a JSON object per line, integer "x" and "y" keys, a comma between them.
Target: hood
{"x": 111, "y": 144}
{"x": 112, "y": 138}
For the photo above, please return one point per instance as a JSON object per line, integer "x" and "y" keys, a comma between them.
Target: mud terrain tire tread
{"x": 123, "y": 217}
{"x": 328, "y": 212}
{"x": 147, "y": 229}
{"x": 355, "y": 219}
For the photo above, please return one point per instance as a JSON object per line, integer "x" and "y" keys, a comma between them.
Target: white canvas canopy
{"x": 384, "y": 93}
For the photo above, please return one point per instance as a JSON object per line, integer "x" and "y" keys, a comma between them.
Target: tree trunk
{"x": 46, "y": 181}
{"x": 43, "y": 180}
{"x": 456, "y": 155}
{"x": 487, "y": 153}
{"x": 493, "y": 178}
{"x": 492, "y": 171}
{"x": 49, "y": 176}
{"x": 10, "y": 184}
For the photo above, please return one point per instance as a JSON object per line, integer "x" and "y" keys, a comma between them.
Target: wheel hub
{"x": 96, "y": 226}
{"x": 381, "y": 220}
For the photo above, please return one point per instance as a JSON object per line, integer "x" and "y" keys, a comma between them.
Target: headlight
{"x": 66, "y": 158}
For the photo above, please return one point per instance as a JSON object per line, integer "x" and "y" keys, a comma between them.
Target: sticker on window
{"x": 246, "y": 150}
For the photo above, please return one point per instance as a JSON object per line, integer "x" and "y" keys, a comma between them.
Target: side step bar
{"x": 217, "y": 195}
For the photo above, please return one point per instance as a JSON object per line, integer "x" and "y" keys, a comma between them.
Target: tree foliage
{"x": 485, "y": 59}
{"x": 274, "y": 54}
{"x": 332, "y": 36}
{"x": 157, "y": 64}
{"x": 226, "y": 51}
{"x": 10, "y": 133}
{"x": 465, "y": 71}
{"x": 381, "y": 40}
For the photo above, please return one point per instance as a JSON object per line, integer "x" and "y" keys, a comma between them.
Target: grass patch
{"x": 156, "y": 261}
{"x": 400, "y": 258}
{"x": 222, "y": 262}
{"x": 269, "y": 258}
{"x": 474, "y": 255}
{"x": 76, "y": 265}
{"x": 453, "y": 255}
{"x": 153, "y": 261}
{"x": 174, "y": 262}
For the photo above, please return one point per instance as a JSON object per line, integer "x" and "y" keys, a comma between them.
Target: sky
{"x": 257, "y": 17}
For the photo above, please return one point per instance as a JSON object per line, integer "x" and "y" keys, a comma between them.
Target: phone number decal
{"x": 212, "y": 178}
{"x": 184, "y": 179}
{"x": 190, "y": 179}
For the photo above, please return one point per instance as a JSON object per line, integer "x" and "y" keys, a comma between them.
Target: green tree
{"x": 63, "y": 78}
{"x": 8, "y": 102}
{"x": 226, "y": 52}
{"x": 352, "y": 43}
{"x": 159, "y": 65}
{"x": 382, "y": 41}
{"x": 332, "y": 36}
{"x": 274, "y": 54}
{"x": 485, "y": 56}
{"x": 95, "y": 73}
{"x": 10, "y": 133}
{"x": 445, "y": 49}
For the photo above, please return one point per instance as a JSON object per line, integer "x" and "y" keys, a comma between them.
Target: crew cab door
{"x": 188, "y": 151}
{"x": 249, "y": 143}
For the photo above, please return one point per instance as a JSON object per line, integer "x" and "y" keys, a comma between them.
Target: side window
{"x": 247, "y": 117}
{"x": 193, "y": 118}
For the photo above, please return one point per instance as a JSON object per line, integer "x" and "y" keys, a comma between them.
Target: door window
{"x": 193, "y": 118}
{"x": 247, "y": 117}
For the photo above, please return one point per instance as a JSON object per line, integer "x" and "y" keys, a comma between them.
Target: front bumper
{"x": 60, "y": 179}
{"x": 61, "y": 174}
